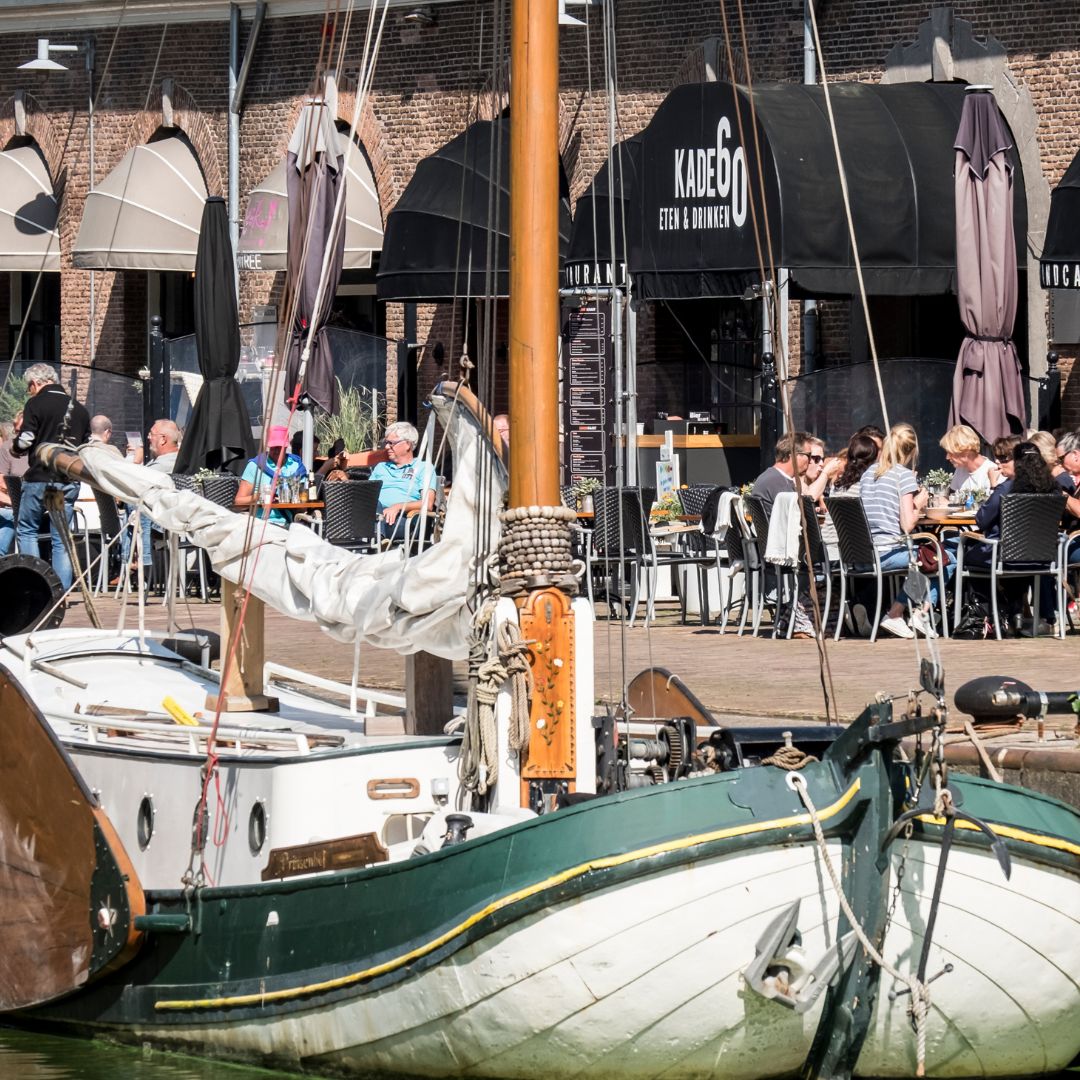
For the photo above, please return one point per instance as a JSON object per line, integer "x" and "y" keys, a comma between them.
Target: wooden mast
{"x": 534, "y": 252}
{"x": 548, "y": 765}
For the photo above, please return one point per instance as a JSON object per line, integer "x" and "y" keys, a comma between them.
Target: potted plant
{"x": 584, "y": 490}
{"x": 937, "y": 483}
{"x": 355, "y": 424}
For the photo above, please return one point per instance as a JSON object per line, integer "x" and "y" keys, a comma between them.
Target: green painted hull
{"x": 236, "y": 961}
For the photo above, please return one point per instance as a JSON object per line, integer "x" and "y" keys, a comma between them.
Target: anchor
{"x": 782, "y": 972}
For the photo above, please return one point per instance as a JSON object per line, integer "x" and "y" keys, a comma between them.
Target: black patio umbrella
{"x": 314, "y": 173}
{"x": 218, "y": 435}
{"x": 1059, "y": 267}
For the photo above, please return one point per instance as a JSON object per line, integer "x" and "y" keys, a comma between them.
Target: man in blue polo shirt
{"x": 407, "y": 484}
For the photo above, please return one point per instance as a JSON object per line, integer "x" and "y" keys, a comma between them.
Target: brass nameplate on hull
{"x": 342, "y": 854}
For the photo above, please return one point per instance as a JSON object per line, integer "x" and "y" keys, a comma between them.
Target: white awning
{"x": 145, "y": 215}
{"x": 264, "y": 239}
{"x": 29, "y": 239}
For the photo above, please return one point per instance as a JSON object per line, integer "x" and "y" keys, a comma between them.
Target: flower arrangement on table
{"x": 937, "y": 480}
{"x": 746, "y": 489}
{"x": 667, "y": 509}
{"x": 200, "y": 475}
{"x": 584, "y": 489}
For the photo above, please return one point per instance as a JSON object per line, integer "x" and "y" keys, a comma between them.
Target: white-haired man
{"x": 50, "y": 416}
{"x": 407, "y": 484}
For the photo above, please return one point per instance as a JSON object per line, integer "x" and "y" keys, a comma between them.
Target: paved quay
{"x": 735, "y": 677}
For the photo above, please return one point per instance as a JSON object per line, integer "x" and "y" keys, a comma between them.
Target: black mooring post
{"x": 768, "y": 410}
{"x": 158, "y": 386}
{"x": 1050, "y": 394}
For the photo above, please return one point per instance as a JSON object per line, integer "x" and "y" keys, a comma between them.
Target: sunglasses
{"x": 817, "y": 459}
{"x": 393, "y": 442}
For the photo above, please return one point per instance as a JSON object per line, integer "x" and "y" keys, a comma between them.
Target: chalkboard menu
{"x": 588, "y": 412}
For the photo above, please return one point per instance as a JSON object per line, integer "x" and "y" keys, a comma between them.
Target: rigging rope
{"x": 920, "y": 992}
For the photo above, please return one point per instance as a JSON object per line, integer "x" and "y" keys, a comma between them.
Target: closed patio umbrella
{"x": 314, "y": 173}
{"x": 988, "y": 389}
{"x": 218, "y": 435}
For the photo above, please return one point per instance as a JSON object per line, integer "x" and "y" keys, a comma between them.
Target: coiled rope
{"x": 489, "y": 669}
{"x": 920, "y": 991}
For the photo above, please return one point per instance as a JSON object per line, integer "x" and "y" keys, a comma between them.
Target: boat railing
{"x": 99, "y": 729}
{"x": 298, "y": 680}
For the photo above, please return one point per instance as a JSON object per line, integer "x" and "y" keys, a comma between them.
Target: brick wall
{"x": 430, "y": 82}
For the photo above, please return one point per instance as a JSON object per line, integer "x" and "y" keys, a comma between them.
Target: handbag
{"x": 927, "y": 558}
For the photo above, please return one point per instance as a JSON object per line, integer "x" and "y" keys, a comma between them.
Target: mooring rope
{"x": 920, "y": 991}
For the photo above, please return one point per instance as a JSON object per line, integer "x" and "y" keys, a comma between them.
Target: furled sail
{"x": 387, "y": 600}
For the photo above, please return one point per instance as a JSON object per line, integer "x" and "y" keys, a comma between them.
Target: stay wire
{"x": 770, "y": 301}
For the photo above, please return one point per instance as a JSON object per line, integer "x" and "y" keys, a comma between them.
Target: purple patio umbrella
{"x": 313, "y": 175}
{"x": 988, "y": 389}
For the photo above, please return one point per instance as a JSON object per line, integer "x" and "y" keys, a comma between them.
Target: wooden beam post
{"x": 243, "y": 682}
{"x": 429, "y": 690}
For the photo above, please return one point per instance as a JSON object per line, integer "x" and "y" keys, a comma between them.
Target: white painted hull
{"x": 644, "y": 979}
{"x": 1011, "y": 1005}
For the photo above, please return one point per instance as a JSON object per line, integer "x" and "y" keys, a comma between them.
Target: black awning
{"x": 700, "y": 192}
{"x": 1059, "y": 267}
{"x": 456, "y": 209}
{"x": 609, "y": 197}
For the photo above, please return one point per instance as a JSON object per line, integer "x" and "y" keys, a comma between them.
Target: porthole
{"x": 200, "y": 827}
{"x": 257, "y": 828}
{"x": 144, "y": 822}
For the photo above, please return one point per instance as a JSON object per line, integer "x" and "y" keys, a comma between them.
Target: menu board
{"x": 588, "y": 414}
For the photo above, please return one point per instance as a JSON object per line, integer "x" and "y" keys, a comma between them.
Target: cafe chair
{"x": 622, "y": 549}
{"x": 184, "y": 547}
{"x": 221, "y": 489}
{"x": 819, "y": 568}
{"x": 350, "y": 514}
{"x": 860, "y": 560}
{"x": 79, "y": 529}
{"x": 757, "y": 541}
{"x": 1029, "y": 546}
{"x": 110, "y": 528}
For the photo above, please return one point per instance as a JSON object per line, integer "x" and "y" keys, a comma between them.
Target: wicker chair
{"x": 1029, "y": 546}
{"x": 350, "y": 514}
{"x": 819, "y": 568}
{"x": 859, "y": 559}
{"x": 623, "y": 548}
{"x": 221, "y": 489}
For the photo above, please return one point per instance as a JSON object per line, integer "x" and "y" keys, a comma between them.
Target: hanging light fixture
{"x": 422, "y": 15}
{"x": 42, "y": 61}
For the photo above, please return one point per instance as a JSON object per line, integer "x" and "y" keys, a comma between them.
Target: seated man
{"x": 260, "y": 471}
{"x": 407, "y": 484}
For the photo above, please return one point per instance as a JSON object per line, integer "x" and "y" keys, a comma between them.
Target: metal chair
{"x": 109, "y": 530}
{"x": 1029, "y": 546}
{"x": 14, "y": 486}
{"x": 350, "y": 514}
{"x": 621, "y": 538}
{"x": 860, "y": 559}
{"x": 818, "y": 567}
{"x": 758, "y": 541}
{"x": 187, "y": 482}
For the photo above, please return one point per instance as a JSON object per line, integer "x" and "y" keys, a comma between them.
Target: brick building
{"x": 161, "y": 69}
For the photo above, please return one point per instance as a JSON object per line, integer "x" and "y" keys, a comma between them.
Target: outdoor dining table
{"x": 956, "y": 521}
{"x": 314, "y": 504}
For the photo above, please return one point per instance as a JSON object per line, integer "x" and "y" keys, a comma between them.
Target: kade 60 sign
{"x": 710, "y": 186}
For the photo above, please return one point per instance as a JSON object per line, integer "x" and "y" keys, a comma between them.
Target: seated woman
{"x": 893, "y": 500}
{"x": 1031, "y": 476}
{"x": 974, "y": 472}
{"x": 260, "y": 471}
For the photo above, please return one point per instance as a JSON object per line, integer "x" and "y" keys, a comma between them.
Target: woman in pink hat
{"x": 259, "y": 474}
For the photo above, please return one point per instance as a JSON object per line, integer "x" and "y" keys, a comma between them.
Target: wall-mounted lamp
{"x": 42, "y": 62}
{"x": 423, "y": 15}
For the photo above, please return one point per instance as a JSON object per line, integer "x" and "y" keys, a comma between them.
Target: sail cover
{"x": 386, "y": 600}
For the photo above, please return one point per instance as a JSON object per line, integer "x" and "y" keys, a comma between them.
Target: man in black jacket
{"x": 50, "y": 416}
